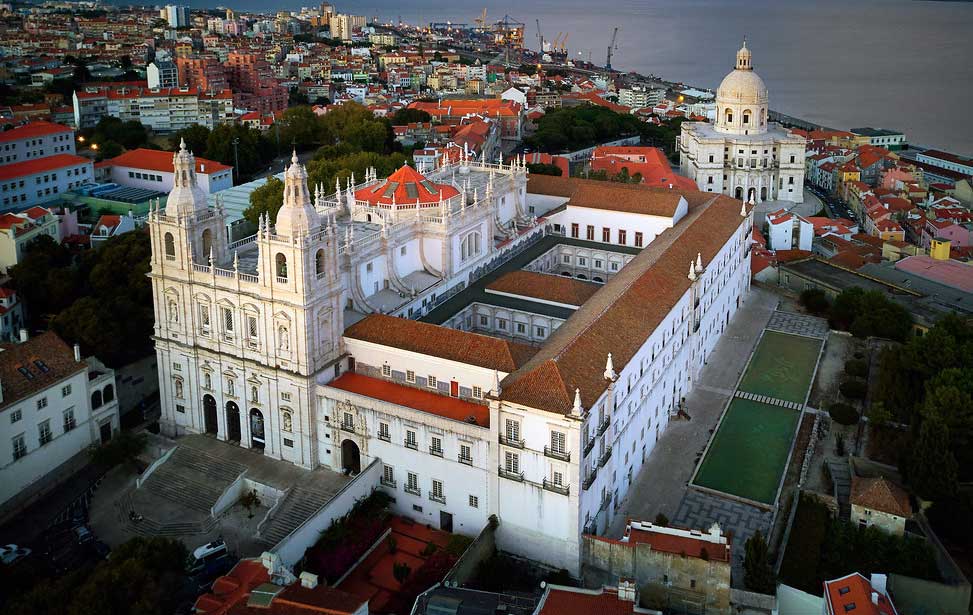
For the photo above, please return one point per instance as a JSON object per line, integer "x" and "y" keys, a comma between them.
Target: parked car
{"x": 10, "y": 554}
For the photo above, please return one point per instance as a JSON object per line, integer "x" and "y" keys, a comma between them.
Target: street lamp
{"x": 236, "y": 157}
{"x": 94, "y": 146}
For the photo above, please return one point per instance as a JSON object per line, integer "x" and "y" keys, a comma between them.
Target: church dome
{"x": 297, "y": 215}
{"x": 743, "y": 85}
{"x": 404, "y": 189}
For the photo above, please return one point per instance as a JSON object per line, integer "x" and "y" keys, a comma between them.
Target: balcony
{"x": 511, "y": 475}
{"x": 390, "y": 483}
{"x": 511, "y": 442}
{"x": 349, "y": 427}
{"x": 384, "y": 437}
{"x": 589, "y": 446}
{"x": 413, "y": 445}
{"x": 562, "y": 489}
{"x": 589, "y": 479}
{"x": 465, "y": 460}
{"x": 438, "y": 452}
{"x": 605, "y": 502}
{"x": 413, "y": 490}
{"x": 437, "y": 498}
{"x": 605, "y": 456}
{"x": 553, "y": 454}
{"x": 603, "y": 427}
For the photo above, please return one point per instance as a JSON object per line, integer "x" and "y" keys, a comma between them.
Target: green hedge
{"x": 843, "y": 414}
{"x": 853, "y": 389}
{"x": 856, "y": 368}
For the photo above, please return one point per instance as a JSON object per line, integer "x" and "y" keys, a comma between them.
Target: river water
{"x": 900, "y": 64}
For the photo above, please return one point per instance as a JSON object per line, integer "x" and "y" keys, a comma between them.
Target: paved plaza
{"x": 799, "y": 324}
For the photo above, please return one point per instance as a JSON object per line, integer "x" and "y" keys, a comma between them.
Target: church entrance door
{"x": 763, "y": 193}
{"x": 210, "y": 419}
{"x": 232, "y": 422}
{"x": 257, "y": 429}
{"x": 350, "y": 457}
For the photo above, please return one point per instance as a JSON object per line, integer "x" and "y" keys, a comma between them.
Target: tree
{"x": 932, "y": 469}
{"x": 302, "y": 128}
{"x": 758, "y": 575}
{"x": 196, "y": 137}
{"x": 815, "y": 301}
{"x": 44, "y": 279}
{"x": 544, "y": 169}
{"x": 869, "y": 313}
{"x": 266, "y": 199}
{"x": 296, "y": 96}
{"x": 406, "y": 115}
{"x": 949, "y": 398}
{"x": 123, "y": 448}
{"x": 252, "y": 150}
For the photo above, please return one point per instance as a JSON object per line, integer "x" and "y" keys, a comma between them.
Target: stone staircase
{"x": 297, "y": 507}
{"x": 151, "y": 527}
{"x": 193, "y": 478}
{"x": 841, "y": 480}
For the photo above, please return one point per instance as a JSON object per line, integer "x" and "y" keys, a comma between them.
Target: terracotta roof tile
{"x": 880, "y": 494}
{"x": 584, "y": 602}
{"x": 35, "y": 365}
{"x": 544, "y": 286}
{"x": 40, "y": 165}
{"x": 158, "y": 160}
{"x": 611, "y": 196}
{"x": 33, "y": 130}
{"x": 442, "y": 342}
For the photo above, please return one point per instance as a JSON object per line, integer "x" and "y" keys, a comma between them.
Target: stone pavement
{"x": 799, "y": 324}
{"x": 660, "y": 485}
{"x": 700, "y": 510}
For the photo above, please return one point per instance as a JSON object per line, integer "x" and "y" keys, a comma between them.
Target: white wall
{"x": 129, "y": 176}
{"x": 649, "y": 226}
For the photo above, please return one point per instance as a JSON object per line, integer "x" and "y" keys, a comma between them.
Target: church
{"x": 743, "y": 154}
{"x": 498, "y": 343}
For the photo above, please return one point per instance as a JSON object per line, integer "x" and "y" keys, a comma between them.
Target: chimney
{"x": 879, "y": 583}
{"x": 23, "y": 335}
{"x": 77, "y": 353}
{"x": 202, "y": 168}
{"x": 875, "y": 598}
{"x": 309, "y": 580}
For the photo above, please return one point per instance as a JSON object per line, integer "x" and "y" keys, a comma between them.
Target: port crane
{"x": 540, "y": 37}
{"x": 612, "y": 47}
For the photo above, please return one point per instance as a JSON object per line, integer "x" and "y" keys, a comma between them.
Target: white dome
{"x": 297, "y": 215}
{"x": 742, "y": 87}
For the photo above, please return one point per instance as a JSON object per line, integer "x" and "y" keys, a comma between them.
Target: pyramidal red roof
{"x": 407, "y": 186}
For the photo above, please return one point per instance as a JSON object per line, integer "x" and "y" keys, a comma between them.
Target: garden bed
{"x": 348, "y": 538}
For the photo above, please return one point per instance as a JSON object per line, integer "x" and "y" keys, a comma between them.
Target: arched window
{"x": 281, "y": 266}
{"x": 746, "y": 117}
{"x": 319, "y": 263}
{"x": 96, "y": 399}
{"x": 109, "y": 394}
{"x": 729, "y": 115}
{"x": 170, "y": 247}
{"x": 207, "y": 241}
{"x": 470, "y": 246}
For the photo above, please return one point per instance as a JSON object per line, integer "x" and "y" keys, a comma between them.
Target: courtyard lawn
{"x": 748, "y": 454}
{"x": 782, "y": 367}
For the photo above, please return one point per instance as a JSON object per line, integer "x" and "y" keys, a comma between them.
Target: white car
{"x": 12, "y": 553}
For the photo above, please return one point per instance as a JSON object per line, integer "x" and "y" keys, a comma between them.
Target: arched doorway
{"x": 210, "y": 420}
{"x": 350, "y": 457}
{"x": 232, "y": 422}
{"x": 257, "y": 430}
{"x": 763, "y": 193}
{"x": 738, "y": 193}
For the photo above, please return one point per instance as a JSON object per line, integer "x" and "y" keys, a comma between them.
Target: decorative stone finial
{"x": 576, "y": 410}
{"x": 610, "y": 369}
{"x": 496, "y": 383}
{"x": 699, "y": 263}
{"x": 692, "y": 271}
{"x": 743, "y": 210}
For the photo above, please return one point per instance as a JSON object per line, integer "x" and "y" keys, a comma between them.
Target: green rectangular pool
{"x": 782, "y": 367}
{"x": 749, "y": 452}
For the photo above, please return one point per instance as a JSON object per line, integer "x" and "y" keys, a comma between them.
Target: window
{"x": 410, "y": 439}
{"x": 347, "y": 421}
{"x": 288, "y": 443}
{"x": 388, "y": 476}
{"x": 590, "y": 233}
{"x": 19, "y": 446}
{"x": 606, "y": 235}
{"x": 412, "y": 483}
{"x": 511, "y": 462}
{"x": 582, "y": 261}
{"x": 69, "y": 422}
{"x": 557, "y": 478}
{"x": 621, "y": 237}
{"x": 540, "y": 331}
{"x": 437, "y": 491}
{"x": 44, "y": 432}
{"x": 502, "y": 323}
{"x": 465, "y": 454}
{"x": 281, "y": 263}
{"x": 180, "y": 409}
{"x": 41, "y": 403}
{"x": 383, "y": 432}
{"x": 387, "y": 370}
{"x": 410, "y": 376}
{"x": 484, "y": 320}
{"x": 170, "y": 247}
{"x": 436, "y": 446}
{"x": 477, "y": 392}
{"x": 512, "y": 430}
{"x": 566, "y": 258}
{"x": 65, "y": 390}
{"x": 204, "y": 317}
{"x": 474, "y": 501}
{"x": 15, "y": 416}
{"x": 574, "y": 229}
{"x": 431, "y": 382}
{"x": 252, "y": 329}
{"x": 557, "y": 442}
{"x": 227, "y": 321}
{"x": 319, "y": 263}
{"x": 638, "y": 238}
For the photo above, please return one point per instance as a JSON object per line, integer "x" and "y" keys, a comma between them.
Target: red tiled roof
{"x": 40, "y": 165}
{"x": 443, "y": 342}
{"x": 408, "y": 186}
{"x": 611, "y": 196}
{"x": 47, "y": 350}
{"x": 158, "y": 160}
{"x": 544, "y": 286}
{"x": 32, "y": 130}
{"x": 571, "y": 601}
{"x": 678, "y": 545}
{"x": 37, "y": 212}
{"x": 856, "y": 590}
{"x": 880, "y": 494}
{"x": 415, "y": 398}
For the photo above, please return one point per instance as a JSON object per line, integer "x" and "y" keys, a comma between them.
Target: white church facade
{"x": 743, "y": 154}
{"x": 505, "y": 345}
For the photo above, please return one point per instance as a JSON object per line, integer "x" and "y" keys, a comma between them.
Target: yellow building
{"x": 939, "y": 249}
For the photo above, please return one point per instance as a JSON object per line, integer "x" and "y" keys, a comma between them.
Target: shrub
{"x": 815, "y": 301}
{"x": 429, "y": 549}
{"x": 662, "y": 520}
{"x": 853, "y": 389}
{"x": 843, "y": 414}
{"x": 401, "y": 571}
{"x": 856, "y": 368}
